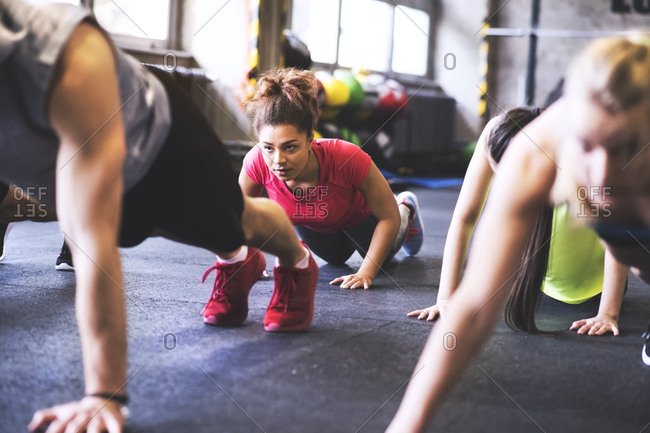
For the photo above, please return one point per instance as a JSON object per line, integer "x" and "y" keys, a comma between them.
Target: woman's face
{"x": 610, "y": 152}
{"x": 286, "y": 150}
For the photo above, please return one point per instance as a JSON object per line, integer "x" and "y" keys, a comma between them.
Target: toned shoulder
{"x": 533, "y": 158}
{"x": 87, "y": 56}
{"x": 548, "y": 129}
{"x": 84, "y": 91}
{"x": 538, "y": 142}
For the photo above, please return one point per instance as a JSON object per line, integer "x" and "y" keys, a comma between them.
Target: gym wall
{"x": 216, "y": 35}
{"x": 456, "y": 59}
{"x": 508, "y": 60}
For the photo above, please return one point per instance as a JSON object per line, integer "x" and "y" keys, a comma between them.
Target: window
{"x": 316, "y": 24}
{"x": 410, "y": 41}
{"x": 365, "y": 37}
{"x": 375, "y": 35}
{"x": 147, "y": 19}
{"x": 136, "y": 24}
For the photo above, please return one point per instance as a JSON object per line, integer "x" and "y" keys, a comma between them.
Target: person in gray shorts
{"x": 100, "y": 132}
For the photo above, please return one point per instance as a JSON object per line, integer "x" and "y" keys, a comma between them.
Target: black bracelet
{"x": 121, "y": 399}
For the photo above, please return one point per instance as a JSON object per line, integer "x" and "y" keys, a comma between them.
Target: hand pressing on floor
{"x": 614, "y": 286}
{"x": 430, "y": 313}
{"x": 599, "y": 325}
{"x": 91, "y": 414}
{"x": 353, "y": 281}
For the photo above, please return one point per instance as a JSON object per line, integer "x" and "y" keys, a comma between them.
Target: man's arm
{"x": 84, "y": 110}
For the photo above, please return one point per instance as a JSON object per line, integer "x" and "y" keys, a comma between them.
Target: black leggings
{"x": 336, "y": 248}
{"x": 190, "y": 193}
{"x": 4, "y": 190}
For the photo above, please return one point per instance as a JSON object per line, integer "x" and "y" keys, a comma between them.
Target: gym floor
{"x": 345, "y": 374}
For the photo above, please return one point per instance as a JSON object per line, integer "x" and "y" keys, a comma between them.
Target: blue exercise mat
{"x": 422, "y": 181}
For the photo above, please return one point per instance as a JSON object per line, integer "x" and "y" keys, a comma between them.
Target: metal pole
{"x": 532, "y": 53}
{"x": 554, "y": 33}
{"x": 272, "y": 16}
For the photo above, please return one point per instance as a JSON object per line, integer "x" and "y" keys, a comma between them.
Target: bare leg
{"x": 267, "y": 227}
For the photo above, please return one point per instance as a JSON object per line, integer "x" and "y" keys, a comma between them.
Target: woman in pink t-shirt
{"x": 331, "y": 190}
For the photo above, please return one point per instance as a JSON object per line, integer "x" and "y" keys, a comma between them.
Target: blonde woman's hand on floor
{"x": 430, "y": 313}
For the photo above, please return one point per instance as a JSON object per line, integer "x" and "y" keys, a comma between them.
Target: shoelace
{"x": 286, "y": 287}
{"x": 412, "y": 231}
{"x": 220, "y": 280}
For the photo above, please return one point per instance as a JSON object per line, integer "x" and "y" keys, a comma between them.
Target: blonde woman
{"x": 597, "y": 133}
{"x": 564, "y": 259}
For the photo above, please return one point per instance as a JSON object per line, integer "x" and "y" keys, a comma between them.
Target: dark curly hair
{"x": 285, "y": 96}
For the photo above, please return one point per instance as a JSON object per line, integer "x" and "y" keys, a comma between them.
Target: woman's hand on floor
{"x": 90, "y": 414}
{"x": 431, "y": 312}
{"x": 599, "y": 325}
{"x": 353, "y": 281}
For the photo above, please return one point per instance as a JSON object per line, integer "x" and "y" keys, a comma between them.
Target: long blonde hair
{"x": 613, "y": 72}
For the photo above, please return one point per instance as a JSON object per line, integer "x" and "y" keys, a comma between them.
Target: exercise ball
{"x": 354, "y": 87}
{"x": 336, "y": 92}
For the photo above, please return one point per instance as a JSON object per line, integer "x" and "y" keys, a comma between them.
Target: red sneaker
{"x": 228, "y": 304}
{"x": 292, "y": 305}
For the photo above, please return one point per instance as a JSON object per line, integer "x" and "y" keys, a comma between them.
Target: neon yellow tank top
{"x": 576, "y": 261}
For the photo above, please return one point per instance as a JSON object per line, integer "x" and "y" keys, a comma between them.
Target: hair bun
{"x": 269, "y": 87}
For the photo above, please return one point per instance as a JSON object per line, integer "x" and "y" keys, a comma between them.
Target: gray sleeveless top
{"x": 32, "y": 36}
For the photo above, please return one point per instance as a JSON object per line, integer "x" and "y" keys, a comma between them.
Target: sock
{"x": 239, "y": 257}
{"x": 302, "y": 264}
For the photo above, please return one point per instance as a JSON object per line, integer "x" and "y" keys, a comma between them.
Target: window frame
{"x": 150, "y": 45}
{"x": 402, "y": 77}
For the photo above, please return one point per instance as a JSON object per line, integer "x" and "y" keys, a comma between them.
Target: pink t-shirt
{"x": 336, "y": 203}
